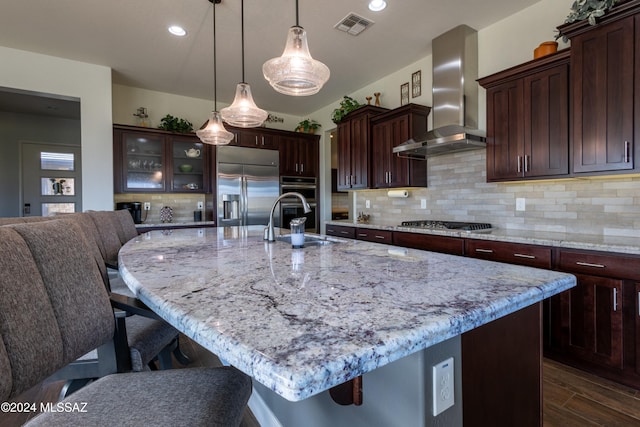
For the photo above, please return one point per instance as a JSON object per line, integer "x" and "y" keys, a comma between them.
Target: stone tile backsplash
{"x": 182, "y": 205}
{"x": 457, "y": 190}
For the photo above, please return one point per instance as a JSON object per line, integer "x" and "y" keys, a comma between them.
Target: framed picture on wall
{"x": 404, "y": 93}
{"x": 416, "y": 84}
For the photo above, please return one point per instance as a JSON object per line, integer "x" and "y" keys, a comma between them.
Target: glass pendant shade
{"x": 243, "y": 112}
{"x": 214, "y": 132}
{"x": 296, "y": 72}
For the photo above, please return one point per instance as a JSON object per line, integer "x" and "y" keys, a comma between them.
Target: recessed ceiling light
{"x": 177, "y": 31}
{"x": 377, "y": 5}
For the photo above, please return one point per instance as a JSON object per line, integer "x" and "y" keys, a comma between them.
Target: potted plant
{"x": 308, "y": 126}
{"x": 174, "y": 124}
{"x": 347, "y": 105}
{"x": 589, "y": 10}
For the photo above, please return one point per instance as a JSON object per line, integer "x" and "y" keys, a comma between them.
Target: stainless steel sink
{"x": 308, "y": 240}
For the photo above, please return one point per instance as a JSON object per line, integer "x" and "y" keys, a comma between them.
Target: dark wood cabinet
{"x": 299, "y": 155}
{"x": 429, "y": 242}
{"x": 148, "y": 160}
{"x": 389, "y": 130}
{"x": 528, "y": 120}
{"x": 512, "y": 253}
{"x": 354, "y": 133}
{"x": 374, "y": 235}
{"x": 602, "y": 76}
{"x": 257, "y": 138}
{"x": 594, "y": 326}
{"x": 341, "y": 231}
{"x": 592, "y": 317}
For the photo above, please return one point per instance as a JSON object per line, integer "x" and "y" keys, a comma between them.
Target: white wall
{"x": 126, "y": 100}
{"x": 92, "y": 85}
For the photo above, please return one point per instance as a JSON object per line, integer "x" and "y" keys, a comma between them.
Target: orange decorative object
{"x": 545, "y": 48}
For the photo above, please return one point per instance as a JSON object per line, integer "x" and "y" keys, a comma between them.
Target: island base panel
{"x": 502, "y": 371}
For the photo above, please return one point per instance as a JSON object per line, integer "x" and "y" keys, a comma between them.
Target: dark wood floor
{"x": 571, "y": 397}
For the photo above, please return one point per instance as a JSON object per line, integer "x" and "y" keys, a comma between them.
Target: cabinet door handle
{"x": 524, "y": 256}
{"x": 389, "y": 177}
{"x": 526, "y": 163}
{"x": 519, "y": 164}
{"x": 296, "y": 167}
{"x": 588, "y": 264}
{"x": 263, "y": 140}
{"x": 615, "y": 299}
{"x": 485, "y": 251}
{"x": 256, "y": 139}
{"x": 638, "y": 303}
{"x": 301, "y": 167}
{"x": 627, "y": 151}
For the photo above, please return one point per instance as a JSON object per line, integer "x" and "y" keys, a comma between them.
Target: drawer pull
{"x": 362, "y": 234}
{"x": 485, "y": 251}
{"x": 344, "y": 232}
{"x": 524, "y": 256}
{"x": 379, "y": 237}
{"x": 588, "y": 264}
{"x": 615, "y": 299}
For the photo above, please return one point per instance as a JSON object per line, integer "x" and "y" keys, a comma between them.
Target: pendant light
{"x": 296, "y": 73}
{"x": 213, "y": 132}
{"x": 243, "y": 112}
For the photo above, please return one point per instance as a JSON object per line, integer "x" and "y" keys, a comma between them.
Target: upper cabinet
{"x": 354, "y": 133}
{"x": 528, "y": 120}
{"x": 605, "y": 93}
{"x": 389, "y": 130}
{"x": 299, "y": 155}
{"x": 254, "y": 138}
{"x": 147, "y": 160}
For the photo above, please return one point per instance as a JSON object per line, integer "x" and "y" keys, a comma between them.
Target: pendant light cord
{"x": 215, "y": 93}
{"x": 297, "y": 19}
{"x": 242, "y": 38}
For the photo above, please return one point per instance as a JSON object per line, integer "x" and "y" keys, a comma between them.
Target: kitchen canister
{"x": 545, "y": 48}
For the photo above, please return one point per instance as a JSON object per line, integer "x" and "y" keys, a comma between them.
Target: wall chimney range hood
{"x": 455, "y": 98}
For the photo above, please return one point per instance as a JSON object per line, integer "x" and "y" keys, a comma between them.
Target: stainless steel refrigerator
{"x": 248, "y": 184}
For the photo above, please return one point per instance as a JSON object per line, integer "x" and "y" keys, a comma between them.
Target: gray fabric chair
{"x": 127, "y": 228}
{"x": 148, "y": 338}
{"x": 55, "y": 308}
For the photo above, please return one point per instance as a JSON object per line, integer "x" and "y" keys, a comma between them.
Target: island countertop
{"x": 300, "y": 321}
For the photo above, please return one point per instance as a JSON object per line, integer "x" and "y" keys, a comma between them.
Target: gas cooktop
{"x": 448, "y": 225}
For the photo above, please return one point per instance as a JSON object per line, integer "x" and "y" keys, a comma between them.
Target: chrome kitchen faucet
{"x": 269, "y": 233}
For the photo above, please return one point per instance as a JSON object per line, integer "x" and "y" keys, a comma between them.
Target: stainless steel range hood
{"x": 455, "y": 98}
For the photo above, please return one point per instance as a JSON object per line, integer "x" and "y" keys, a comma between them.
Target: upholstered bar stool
{"x": 58, "y": 306}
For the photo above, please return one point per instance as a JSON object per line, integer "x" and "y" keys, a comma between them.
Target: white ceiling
{"x": 130, "y": 37}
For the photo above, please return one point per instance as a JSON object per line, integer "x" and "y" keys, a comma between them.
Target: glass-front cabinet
{"x": 159, "y": 161}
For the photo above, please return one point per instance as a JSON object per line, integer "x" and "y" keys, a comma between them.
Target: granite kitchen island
{"x": 301, "y": 321}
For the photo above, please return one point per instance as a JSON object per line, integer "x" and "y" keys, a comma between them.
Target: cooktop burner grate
{"x": 447, "y": 225}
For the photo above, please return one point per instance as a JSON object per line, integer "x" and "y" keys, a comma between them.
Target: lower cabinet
{"x": 341, "y": 231}
{"x": 372, "y": 235}
{"x": 596, "y": 326}
{"x": 429, "y": 242}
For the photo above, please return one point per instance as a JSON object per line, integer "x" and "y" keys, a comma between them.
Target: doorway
{"x": 51, "y": 179}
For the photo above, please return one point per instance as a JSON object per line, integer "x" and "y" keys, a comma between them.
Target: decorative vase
{"x": 545, "y": 48}
{"x": 377, "y": 95}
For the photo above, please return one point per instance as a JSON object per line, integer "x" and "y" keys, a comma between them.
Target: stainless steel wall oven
{"x": 292, "y": 208}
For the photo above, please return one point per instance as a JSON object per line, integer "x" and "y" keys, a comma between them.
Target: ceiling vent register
{"x": 353, "y": 24}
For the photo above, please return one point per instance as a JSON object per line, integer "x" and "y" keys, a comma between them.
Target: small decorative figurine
{"x": 368, "y": 100}
{"x": 377, "y": 95}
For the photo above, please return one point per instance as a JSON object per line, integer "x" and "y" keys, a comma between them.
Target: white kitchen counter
{"x": 301, "y": 321}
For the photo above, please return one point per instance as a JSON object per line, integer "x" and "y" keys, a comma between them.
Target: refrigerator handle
{"x": 243, "y": 199}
